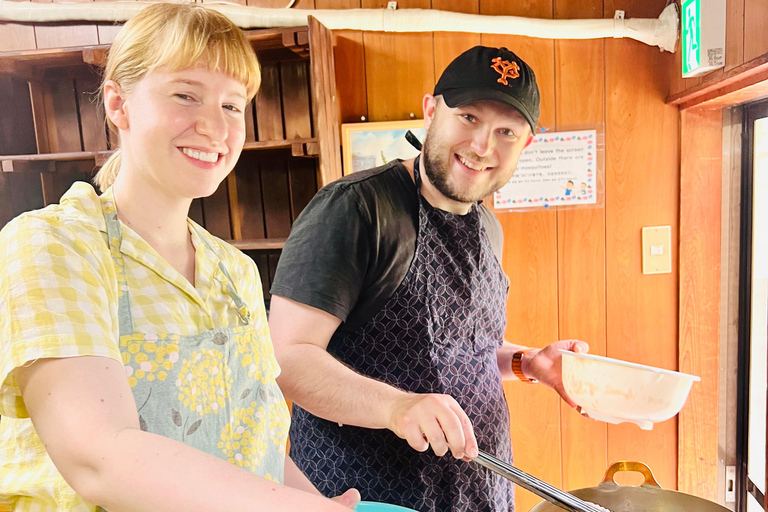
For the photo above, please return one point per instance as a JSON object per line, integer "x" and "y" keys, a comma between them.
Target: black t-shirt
{"x": 351, "y": 247}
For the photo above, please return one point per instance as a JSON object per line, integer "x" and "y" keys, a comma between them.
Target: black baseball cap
{"x": 494, "y": 74}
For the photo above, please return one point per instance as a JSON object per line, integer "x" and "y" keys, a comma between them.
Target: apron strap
{"x": 115, "y": 238}
{"x": 417, "y": 174}
{"x": 242, "y": 308}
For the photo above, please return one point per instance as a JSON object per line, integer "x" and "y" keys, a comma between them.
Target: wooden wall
{"x": 575, "y": 274}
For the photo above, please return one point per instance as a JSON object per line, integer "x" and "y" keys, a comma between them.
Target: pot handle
{"x": 617, "y": 467}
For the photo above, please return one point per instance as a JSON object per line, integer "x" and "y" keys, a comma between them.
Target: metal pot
{"x": 649, "y": 497}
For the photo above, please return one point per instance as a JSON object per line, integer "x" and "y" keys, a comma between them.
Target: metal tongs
{"x": 538, "y": 487}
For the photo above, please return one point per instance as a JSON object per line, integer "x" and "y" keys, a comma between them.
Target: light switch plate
{"x": 657, "y": 251}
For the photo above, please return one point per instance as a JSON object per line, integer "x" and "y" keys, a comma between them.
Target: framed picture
{"x": 369, "y": 145}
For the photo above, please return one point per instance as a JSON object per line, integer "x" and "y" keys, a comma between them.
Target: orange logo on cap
{"x": 506, "y": 69}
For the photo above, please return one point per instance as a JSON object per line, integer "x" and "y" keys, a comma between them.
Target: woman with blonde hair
{"x": 137, "y": 372}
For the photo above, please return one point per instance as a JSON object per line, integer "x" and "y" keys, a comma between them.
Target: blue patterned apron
{"x": 214, "y": 391}
{"x": 438, "y": 333}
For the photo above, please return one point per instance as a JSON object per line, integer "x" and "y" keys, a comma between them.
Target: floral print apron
{"x": 214, "y": 391}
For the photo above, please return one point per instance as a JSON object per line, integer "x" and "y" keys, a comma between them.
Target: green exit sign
{"x": 703, "y": 31}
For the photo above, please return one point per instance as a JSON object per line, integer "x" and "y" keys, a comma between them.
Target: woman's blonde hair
{"x": 176, "y": 36}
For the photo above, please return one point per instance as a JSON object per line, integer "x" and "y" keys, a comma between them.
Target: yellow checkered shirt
{"x": 58, "y": 298}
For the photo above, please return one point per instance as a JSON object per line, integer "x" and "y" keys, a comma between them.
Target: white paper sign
{"x": 557, "y": 169}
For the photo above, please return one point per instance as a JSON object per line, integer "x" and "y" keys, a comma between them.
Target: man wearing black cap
{"x": 389, "y": 307}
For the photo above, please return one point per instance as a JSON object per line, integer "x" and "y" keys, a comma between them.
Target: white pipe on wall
{"x": 661, "y": 32}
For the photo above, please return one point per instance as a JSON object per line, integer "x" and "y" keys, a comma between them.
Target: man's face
{"x": 471, "y": 151}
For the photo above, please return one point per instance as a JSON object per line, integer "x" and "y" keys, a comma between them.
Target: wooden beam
{"x": 738, "y": 77}
{"x": 699, "y": 326}
{"x": 325, "y": 108}
{"x": 95, "y": 56}
{"x": 262, "y": 244}
{"x": 45, "y": 166}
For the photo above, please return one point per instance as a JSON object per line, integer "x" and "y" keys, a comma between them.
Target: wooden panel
{"x": 337, "y": 4}
{"x": 401, "y": 4}
{"x": 570, "y": 9}
{"x": 92, "y": 121}
{"x": 734, "y": 33}
{"x": 234, "y": 207}
{"x": 250, "y": 212}
{"x": 349, "y": 57}
{"x": 17, "y": 131}
{"x": 699, "y": 352}
{"x": 294, "y": 80}
{"x": 6, "y": 206}
{"x": 272, "y": 260}
{"x": 642, "y": 189}
{"x": 38, "y": 95}
{"x": 196, "y": 211}
{"x": 15, "y": 37}
{"x": 269, "y": 115}
{"x": 16, "y": 136}
{"x": 527, "y": 8}
{"x": 55, "y": 36}
{"x": 399, "y": 70}
{"x": 66, "y": 174}
{"x": 580, "y": 102}
{"x": 303, "y": 184}
{"x": 325, "y": 107}
{"x": 61, "y": 116}
{"x": 274, "y": 186}
{"x": 107, "y": 33}
{"x": 299, "y": 4}
{"x": 19, "y": 192}
{"x": 261, "y": 262}
{"x": 216, "y": 213}
{"x": 449, "y": 45}
{"x": 530, "y": 260}
{"x": 250, "y": 122}
{"x": 755, "y": 35}
{"x": 26, "y": 192}
{"x": 465, "y": 6}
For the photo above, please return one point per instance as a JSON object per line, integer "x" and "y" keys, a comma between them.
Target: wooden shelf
{"x": 259, "y": 244}
{"x": 30, "y": 64}
{"x": 270, "y": 44}
{"x": 299, "y": 147}
{"x": 45, "y": 162}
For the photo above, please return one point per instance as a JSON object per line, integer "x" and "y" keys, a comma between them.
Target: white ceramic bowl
{"x": 618, "y": 391}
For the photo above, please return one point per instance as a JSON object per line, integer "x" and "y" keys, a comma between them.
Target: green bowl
{"x": 370, "y": 506}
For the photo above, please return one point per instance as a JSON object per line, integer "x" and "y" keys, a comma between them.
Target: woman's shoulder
{"x": 76, "y": 220}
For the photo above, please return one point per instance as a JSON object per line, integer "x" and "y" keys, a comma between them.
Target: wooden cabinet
{"x": 53, "y": 133}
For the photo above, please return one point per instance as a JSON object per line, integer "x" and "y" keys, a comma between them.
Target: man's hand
{"x": 545, "y": 365}
{"x": 350, "y": 498}
{"x": 434, "y": 420}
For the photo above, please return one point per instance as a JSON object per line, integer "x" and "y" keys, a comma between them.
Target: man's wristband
{"x": 517, "y": 366}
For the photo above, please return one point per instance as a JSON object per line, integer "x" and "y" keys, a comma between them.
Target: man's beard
{"x": 440, "y": 177}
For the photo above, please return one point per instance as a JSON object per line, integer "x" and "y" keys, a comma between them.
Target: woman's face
{"x": 183, "y": 130}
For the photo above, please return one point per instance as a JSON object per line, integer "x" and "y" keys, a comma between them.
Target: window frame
{"x": 744, "y": 485}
